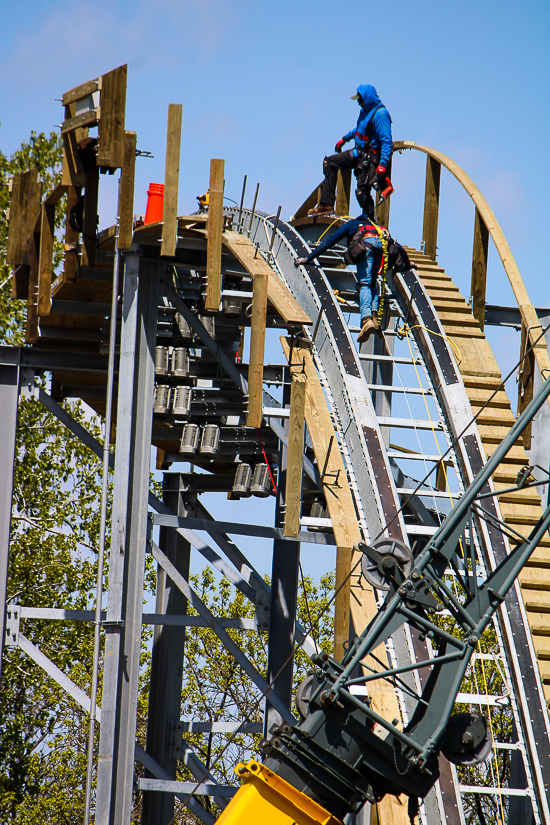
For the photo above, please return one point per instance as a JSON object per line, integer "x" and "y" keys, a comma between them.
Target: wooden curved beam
{"x": 528, "y": 314}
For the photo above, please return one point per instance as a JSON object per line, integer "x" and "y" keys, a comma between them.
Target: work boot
{"x": 367, "y": 326}
{"x": 320, "y": 209}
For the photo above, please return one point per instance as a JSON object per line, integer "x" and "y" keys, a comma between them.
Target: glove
{"x": 380, "y": 170}
{"x": 300, "y": 262}
{"x": 338, "y": 147}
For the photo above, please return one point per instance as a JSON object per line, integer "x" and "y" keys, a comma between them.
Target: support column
{"x": 284, "y": 597}
{"x": 128, "y": 542}
{"x": 431, "y": 207}
{"x": 167, "y": 658}
{"x": 9, "y": 392}
{"x": 479, "y": 268}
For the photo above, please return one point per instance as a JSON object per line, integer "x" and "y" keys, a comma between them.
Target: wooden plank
{"x": 126, "y": 192}
{"x": 278, "y": 295}
{"x": 525, "y": 383}
{"x": 214, "y": 241}
{"x": 295, "y": 454}
{"x": 45, "y": 261}
{"x": 110, "y": 148}
{"x": 70, "y": 267}
{"x": 343, "y": 193}
{"x": 91, "y": 118}
{"x": 479, "y": 268}
{"x": 431, "y": 207}
{"x": 89, "y": 223}
{"x": 72, "y": 169}
{"x": 31, "y": 331}
{"x": 257, "y": 348}
{"x": 81, "y": 91}
{"x": 26, "y": 194}
{"x": 56, "y": 194}
{"x": 171, "y": 181}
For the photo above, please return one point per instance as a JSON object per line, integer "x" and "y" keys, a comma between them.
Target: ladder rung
{"x": 410, "y": 423}
{"x": 415, "y": 456}
{"x": 390, "y": 388}
{"x": 396, "y": 359}
{"x": 421, "y": 530}
{"x": 411, "y": 491}
{"x": 491, "y": 791}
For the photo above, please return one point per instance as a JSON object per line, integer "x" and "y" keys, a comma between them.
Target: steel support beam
{"x": 284, "y": 600}
{"x": 167, "y": 659}
{"x": 9, "y": 392}
{"x": 128, "y": 542}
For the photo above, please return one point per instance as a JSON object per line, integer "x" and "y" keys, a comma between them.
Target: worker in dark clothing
{"x": 369, "y": 157}
{"x": 368, "y": 268}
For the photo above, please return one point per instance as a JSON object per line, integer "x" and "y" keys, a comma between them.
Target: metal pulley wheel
{"x": 389, "y": 547}
{"x": 303, "y": 694}
{"x": 467, "y": 740}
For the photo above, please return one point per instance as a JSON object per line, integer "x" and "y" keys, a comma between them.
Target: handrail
{"x": 530, "y": 321}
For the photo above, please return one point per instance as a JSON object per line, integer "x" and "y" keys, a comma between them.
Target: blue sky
{"x": 267, "y": 87}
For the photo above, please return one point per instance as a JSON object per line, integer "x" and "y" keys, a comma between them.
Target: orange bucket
{"x": 155, "y": 200}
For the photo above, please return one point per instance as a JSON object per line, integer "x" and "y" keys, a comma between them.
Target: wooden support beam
{"x": 89, "y": 224}
{"x": 334, "y": 485}
{"x": 479, "y": 268}
{"x": 110, "y": 147}
{"x": 214, "y": 242}
{"x": 26, "y": 194}
{"x": 70, "y": 267}
{"x": 278, "y": 294}
{"x": 126, "y": 192}
{"x": 45, "y": 260}
{"x": 309, "y": 203}
{"x": 525, "y": 384}
{"x": 171, "y": 181}
{"x": 31, "y": 331}
{"x": 72, "y": 169}
{"x": 295, "y": 455}
{"x": 257, "y": 348}
{"x": 343, "y": 193}
{"x": 431, "y": 207}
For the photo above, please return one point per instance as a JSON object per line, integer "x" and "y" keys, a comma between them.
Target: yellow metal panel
{"x": 266, "y": 799}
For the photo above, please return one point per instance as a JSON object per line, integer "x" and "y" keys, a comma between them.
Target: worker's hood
{"x": 369, "y": 97}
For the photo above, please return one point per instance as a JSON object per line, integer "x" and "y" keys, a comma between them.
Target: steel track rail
{"x": 376, "y": 495}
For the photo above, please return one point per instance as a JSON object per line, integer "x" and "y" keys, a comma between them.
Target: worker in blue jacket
{"x": 369, "y": 157}
{"x": 368, "y": 268}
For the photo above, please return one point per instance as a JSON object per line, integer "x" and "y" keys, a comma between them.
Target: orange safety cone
{"x": 155, "y": 200}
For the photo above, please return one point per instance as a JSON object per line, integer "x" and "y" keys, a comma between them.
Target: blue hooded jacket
{"x": 381, "y": 137}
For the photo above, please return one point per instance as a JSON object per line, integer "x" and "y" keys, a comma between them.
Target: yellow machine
{"x": 266, "y": 799}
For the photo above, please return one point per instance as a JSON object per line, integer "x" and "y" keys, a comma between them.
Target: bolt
{"x": 241, "y": 770}
{"x": 403, "y": 591}
{"x": 415, "y": 575}
{"x": 467, "y": 738}
{"x": 253, "y": 766}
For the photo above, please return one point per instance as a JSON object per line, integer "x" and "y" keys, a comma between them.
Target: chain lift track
{"x": 372, "y": 480}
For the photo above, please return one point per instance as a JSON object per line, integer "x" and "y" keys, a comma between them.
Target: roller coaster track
{"x": 455, "y": 368}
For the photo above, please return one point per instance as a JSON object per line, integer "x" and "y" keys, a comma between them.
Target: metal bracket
{"x": 176, "y": 733}
{"x": 112, "y": 623}
{"x": 13, "y": 615}
{"x": 263, "y": 611}
{"x": 26, "y": 382}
